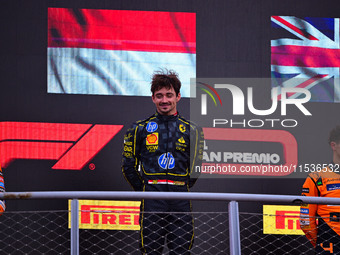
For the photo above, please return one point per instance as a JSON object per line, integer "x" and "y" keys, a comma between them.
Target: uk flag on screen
{"x": 305, "y": 53}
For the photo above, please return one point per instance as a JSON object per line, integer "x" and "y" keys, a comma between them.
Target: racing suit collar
{"x": 166, "y": 117}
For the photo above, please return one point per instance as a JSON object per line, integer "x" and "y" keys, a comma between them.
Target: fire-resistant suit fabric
{"x": 161, "y": 153}
{"x": 321, "y": 223}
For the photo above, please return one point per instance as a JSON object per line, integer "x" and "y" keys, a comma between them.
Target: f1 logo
{"x": 73, "y": 145}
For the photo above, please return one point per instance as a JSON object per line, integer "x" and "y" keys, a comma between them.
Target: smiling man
{"x": 166, "y": 148}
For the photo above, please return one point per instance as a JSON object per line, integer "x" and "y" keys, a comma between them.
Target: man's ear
{"x": 333, "y": 144}
{"x": 178, "y": 97}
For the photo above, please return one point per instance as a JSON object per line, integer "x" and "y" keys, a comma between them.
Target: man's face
{"x": 166, "y": 101}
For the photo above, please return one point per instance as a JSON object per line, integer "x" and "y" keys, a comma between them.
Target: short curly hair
{"x": 334, "y": 135}
{"x": 165, "y": 79}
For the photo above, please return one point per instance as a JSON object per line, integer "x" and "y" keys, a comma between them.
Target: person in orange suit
{"x": 321, "y": 223}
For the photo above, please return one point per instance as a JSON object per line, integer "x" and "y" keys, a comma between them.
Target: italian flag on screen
{"x": 114, "y": 52}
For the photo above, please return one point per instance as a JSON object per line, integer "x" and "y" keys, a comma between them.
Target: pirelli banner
{"x": 281, "y": 220}
{"x": 110, "y": 215}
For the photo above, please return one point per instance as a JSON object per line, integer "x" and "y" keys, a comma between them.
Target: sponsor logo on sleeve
{"x": 305, "y": 190}
{"x": 304, "y": 210}
{"x": 304, "y": 222}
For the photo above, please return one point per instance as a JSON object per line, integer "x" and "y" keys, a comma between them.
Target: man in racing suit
{"x": 166, "y": 147}
{"x": 321, "y": 223}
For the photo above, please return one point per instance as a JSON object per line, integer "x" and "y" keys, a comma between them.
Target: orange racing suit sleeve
{"x": 308, "y": 212}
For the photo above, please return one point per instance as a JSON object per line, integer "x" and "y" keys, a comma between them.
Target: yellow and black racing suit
{"x": 321, "y": 223}
{"x": 167, "y": 149}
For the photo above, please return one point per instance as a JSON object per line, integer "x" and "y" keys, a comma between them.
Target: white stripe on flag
{"x": 111, "y": 72}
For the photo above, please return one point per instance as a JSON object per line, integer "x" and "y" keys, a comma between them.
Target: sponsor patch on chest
{"x": 334, "y": 186}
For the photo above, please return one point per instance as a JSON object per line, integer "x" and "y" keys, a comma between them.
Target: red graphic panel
{"x": 73, "y": 145}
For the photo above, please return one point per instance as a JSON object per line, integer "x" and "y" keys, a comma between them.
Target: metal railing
{"x": 232, "y": 198}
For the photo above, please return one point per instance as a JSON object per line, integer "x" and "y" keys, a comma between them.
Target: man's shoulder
{"x": 320, "y": 176}
{"x": 187, "y": 122}
{"x": 145, "y": 121}
{"x": 315, "y": 177}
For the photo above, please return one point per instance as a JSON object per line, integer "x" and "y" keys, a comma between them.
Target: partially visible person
{"x": 321, "y": 223}
{"x": 2, "y": 189}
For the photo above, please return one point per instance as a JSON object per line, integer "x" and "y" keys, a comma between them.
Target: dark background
{"x": 233, "y": 40}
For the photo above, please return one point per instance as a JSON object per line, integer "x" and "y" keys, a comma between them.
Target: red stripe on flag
{"x": 122, "y": 30}
{"x": 294, "y": 28}
{"x": 287, "y": 55}
{"x": 306, "y": 84}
